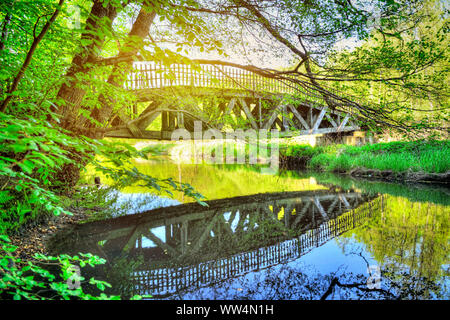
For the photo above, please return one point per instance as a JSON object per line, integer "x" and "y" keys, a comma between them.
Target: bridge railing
{"x": 152, "y": 75}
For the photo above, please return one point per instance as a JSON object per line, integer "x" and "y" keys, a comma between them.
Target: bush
{"x": 36, "y": 280}
{"x": 428, "y": 156}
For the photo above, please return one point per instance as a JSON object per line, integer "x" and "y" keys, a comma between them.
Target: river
{"x": 290, "y": 235}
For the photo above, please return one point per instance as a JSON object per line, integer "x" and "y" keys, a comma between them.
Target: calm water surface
{"x": 293, "y": 235}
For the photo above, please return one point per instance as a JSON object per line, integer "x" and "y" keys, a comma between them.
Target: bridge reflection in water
{"x": 189, "y": 246}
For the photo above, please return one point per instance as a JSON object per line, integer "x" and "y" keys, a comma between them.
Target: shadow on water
{"x": 337, "y": 238}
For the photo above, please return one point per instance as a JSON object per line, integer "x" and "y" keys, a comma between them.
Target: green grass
{"x": 418, "y": 156}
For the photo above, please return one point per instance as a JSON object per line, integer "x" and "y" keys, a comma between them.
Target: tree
{"x": 308, "y": 32}
{"x": 91, "y": 41}
{"x": 40, "y": 161}
{"x": 26, "y": 63}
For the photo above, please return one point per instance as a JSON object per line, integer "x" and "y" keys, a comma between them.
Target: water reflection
{"x": 215, "y": 181}
{"x": 189, "y": 246}
{"x": 315, "y": 243}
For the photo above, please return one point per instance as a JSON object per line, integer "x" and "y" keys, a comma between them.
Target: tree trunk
{"x": 139, "y": 30}
{"x": 100, "y": 17}
{"x": 4, "y": 34}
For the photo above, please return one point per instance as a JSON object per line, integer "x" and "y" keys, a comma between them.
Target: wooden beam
{"x": 320, "y": 208}
{"x": 149, "y": 115}
{"x": 171, "y": 118}
{"x": 284, "y": 118}
{"x": 230, "y": 106}
{"x": 274, "y": 116}
{"x": 134, "y": 130}
{"x": 204, "y": 235}
{"x": 299, "y": 117}
{"x": 333, "y": 205}
{"x": 248, "y": 113}
{"x": 184, "y": 237}
{"x": 145, "y": 121}
{"x": 331, "y": 120}
{"x": 180, "y": 119}
{"x": 343, "y": 123}
{"x": 344, "y": 200}
{"x": 132, "y": 240}
{"x": 279, "y": 123}
{"x": 259, "y": 113}
{"x": 151, "y": 107}
{"x": 170, "y": 250}
{"x": 301, "y": 213}
{"x": 319, "y": 119}
{"x": 164, "y": 121}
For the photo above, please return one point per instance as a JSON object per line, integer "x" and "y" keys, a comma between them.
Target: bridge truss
{"x": 216, "y": 95}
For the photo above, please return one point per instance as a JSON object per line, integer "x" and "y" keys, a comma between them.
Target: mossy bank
{"x": 411, "y": 161}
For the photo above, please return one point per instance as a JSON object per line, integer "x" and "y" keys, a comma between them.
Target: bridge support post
{"x": 180, "y": 120}
{"x": 171, "y": 122}
{"x": 164, "y": 121}
{"x": 135, "y": 111}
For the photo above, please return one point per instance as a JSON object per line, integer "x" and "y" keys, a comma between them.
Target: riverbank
{"x": 412, "y": 161}
{"x": 31, "y": 238}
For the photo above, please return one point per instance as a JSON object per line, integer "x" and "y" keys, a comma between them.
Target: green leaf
{"x": 19, "y": 147}
{"x": 4, "y": 238}
{"x": 27, "y": 166}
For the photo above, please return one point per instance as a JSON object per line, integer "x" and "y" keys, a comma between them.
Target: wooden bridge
{"x": 188, "y": 246}
{"x": 226, "y": 98}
